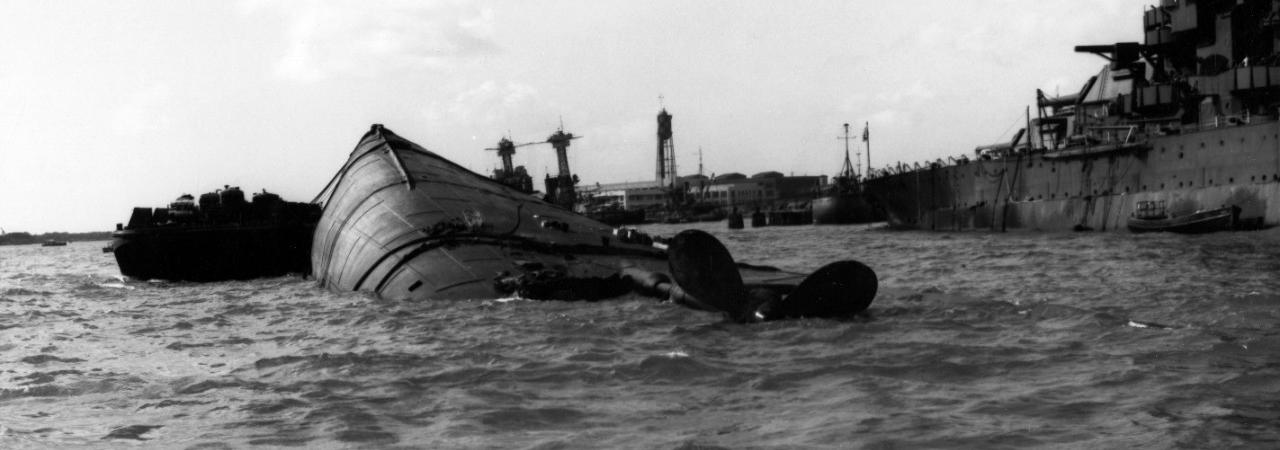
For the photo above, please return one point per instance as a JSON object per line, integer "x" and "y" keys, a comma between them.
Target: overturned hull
{"x": 405, "y": 223}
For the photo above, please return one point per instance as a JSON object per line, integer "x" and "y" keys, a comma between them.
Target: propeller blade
{"x": 839, "y": 289}
{"x": 705, "y": 270}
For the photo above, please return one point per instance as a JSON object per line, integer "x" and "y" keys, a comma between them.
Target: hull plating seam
{"x": 423, "y": 241}
{"x": 432, "y": 243}
{"x": 400, "y": 166}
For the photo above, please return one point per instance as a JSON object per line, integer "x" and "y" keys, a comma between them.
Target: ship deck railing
{"x": 1111, "y": 134}
{"x": 1236, "y": 119}
{"x": 1132, "y": 133}
{"x": 1223, "y": 121}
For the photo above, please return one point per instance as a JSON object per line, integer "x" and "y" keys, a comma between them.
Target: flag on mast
{"x": 866, "y": 132}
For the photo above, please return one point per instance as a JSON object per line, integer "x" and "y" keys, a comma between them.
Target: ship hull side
{"x": 842, "y": 209}
{"x": 1227, "y": 166}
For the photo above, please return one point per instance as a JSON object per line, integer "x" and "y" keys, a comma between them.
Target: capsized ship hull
{"x": 405, "y": 223}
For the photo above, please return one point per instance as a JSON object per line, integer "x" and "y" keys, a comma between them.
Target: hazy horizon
{"x": 111, "y": 105}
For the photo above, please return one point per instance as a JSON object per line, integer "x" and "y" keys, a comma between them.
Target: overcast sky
{"x": 106, "y": 105}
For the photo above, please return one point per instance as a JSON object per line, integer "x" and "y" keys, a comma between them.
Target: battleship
{"x": 1181, "y": 124}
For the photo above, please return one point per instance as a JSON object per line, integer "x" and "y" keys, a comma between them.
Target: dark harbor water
{"x": 977, "y": 341}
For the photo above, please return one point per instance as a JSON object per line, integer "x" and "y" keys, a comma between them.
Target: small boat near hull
{"x": 405, "y": 223}
{"x": 1221, "y": 219}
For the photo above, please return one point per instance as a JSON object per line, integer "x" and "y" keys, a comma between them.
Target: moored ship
{"x": 1187, "y": 119}
{"x": 842, "y": 201}
{"x": 223, "y": 237}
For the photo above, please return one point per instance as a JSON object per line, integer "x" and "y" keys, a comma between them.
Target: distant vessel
{"x": 843, "y": 202}
{"x": 791, "y": 213}
{"x": 614, "y": 214}
{"x": 1188, "y": 118}
{"x": 223, "y": 237}
{"x": 53, "y": 243}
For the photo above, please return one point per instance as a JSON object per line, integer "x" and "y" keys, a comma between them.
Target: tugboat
{"x": 223, "y": 237}
{"x": 842, "y": 202}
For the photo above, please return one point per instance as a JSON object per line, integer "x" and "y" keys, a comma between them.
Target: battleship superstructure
{"x": 560, "y": 189}
{"x": 1186, "y": 120}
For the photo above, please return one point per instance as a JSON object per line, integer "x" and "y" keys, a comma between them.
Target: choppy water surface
{"x": 977, "y": 340}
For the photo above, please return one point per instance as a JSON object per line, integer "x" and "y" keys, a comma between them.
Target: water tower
{"x": 666, "y": 174}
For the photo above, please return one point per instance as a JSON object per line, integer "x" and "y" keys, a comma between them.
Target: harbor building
{"x": 674, "y": 194}
{"x": 728, "y": 190}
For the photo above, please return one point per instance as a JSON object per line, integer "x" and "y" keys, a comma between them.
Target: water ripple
{"x": 976, "y": 340}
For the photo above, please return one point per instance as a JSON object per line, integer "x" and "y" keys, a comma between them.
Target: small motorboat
{"x": 1152, "y": 216}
